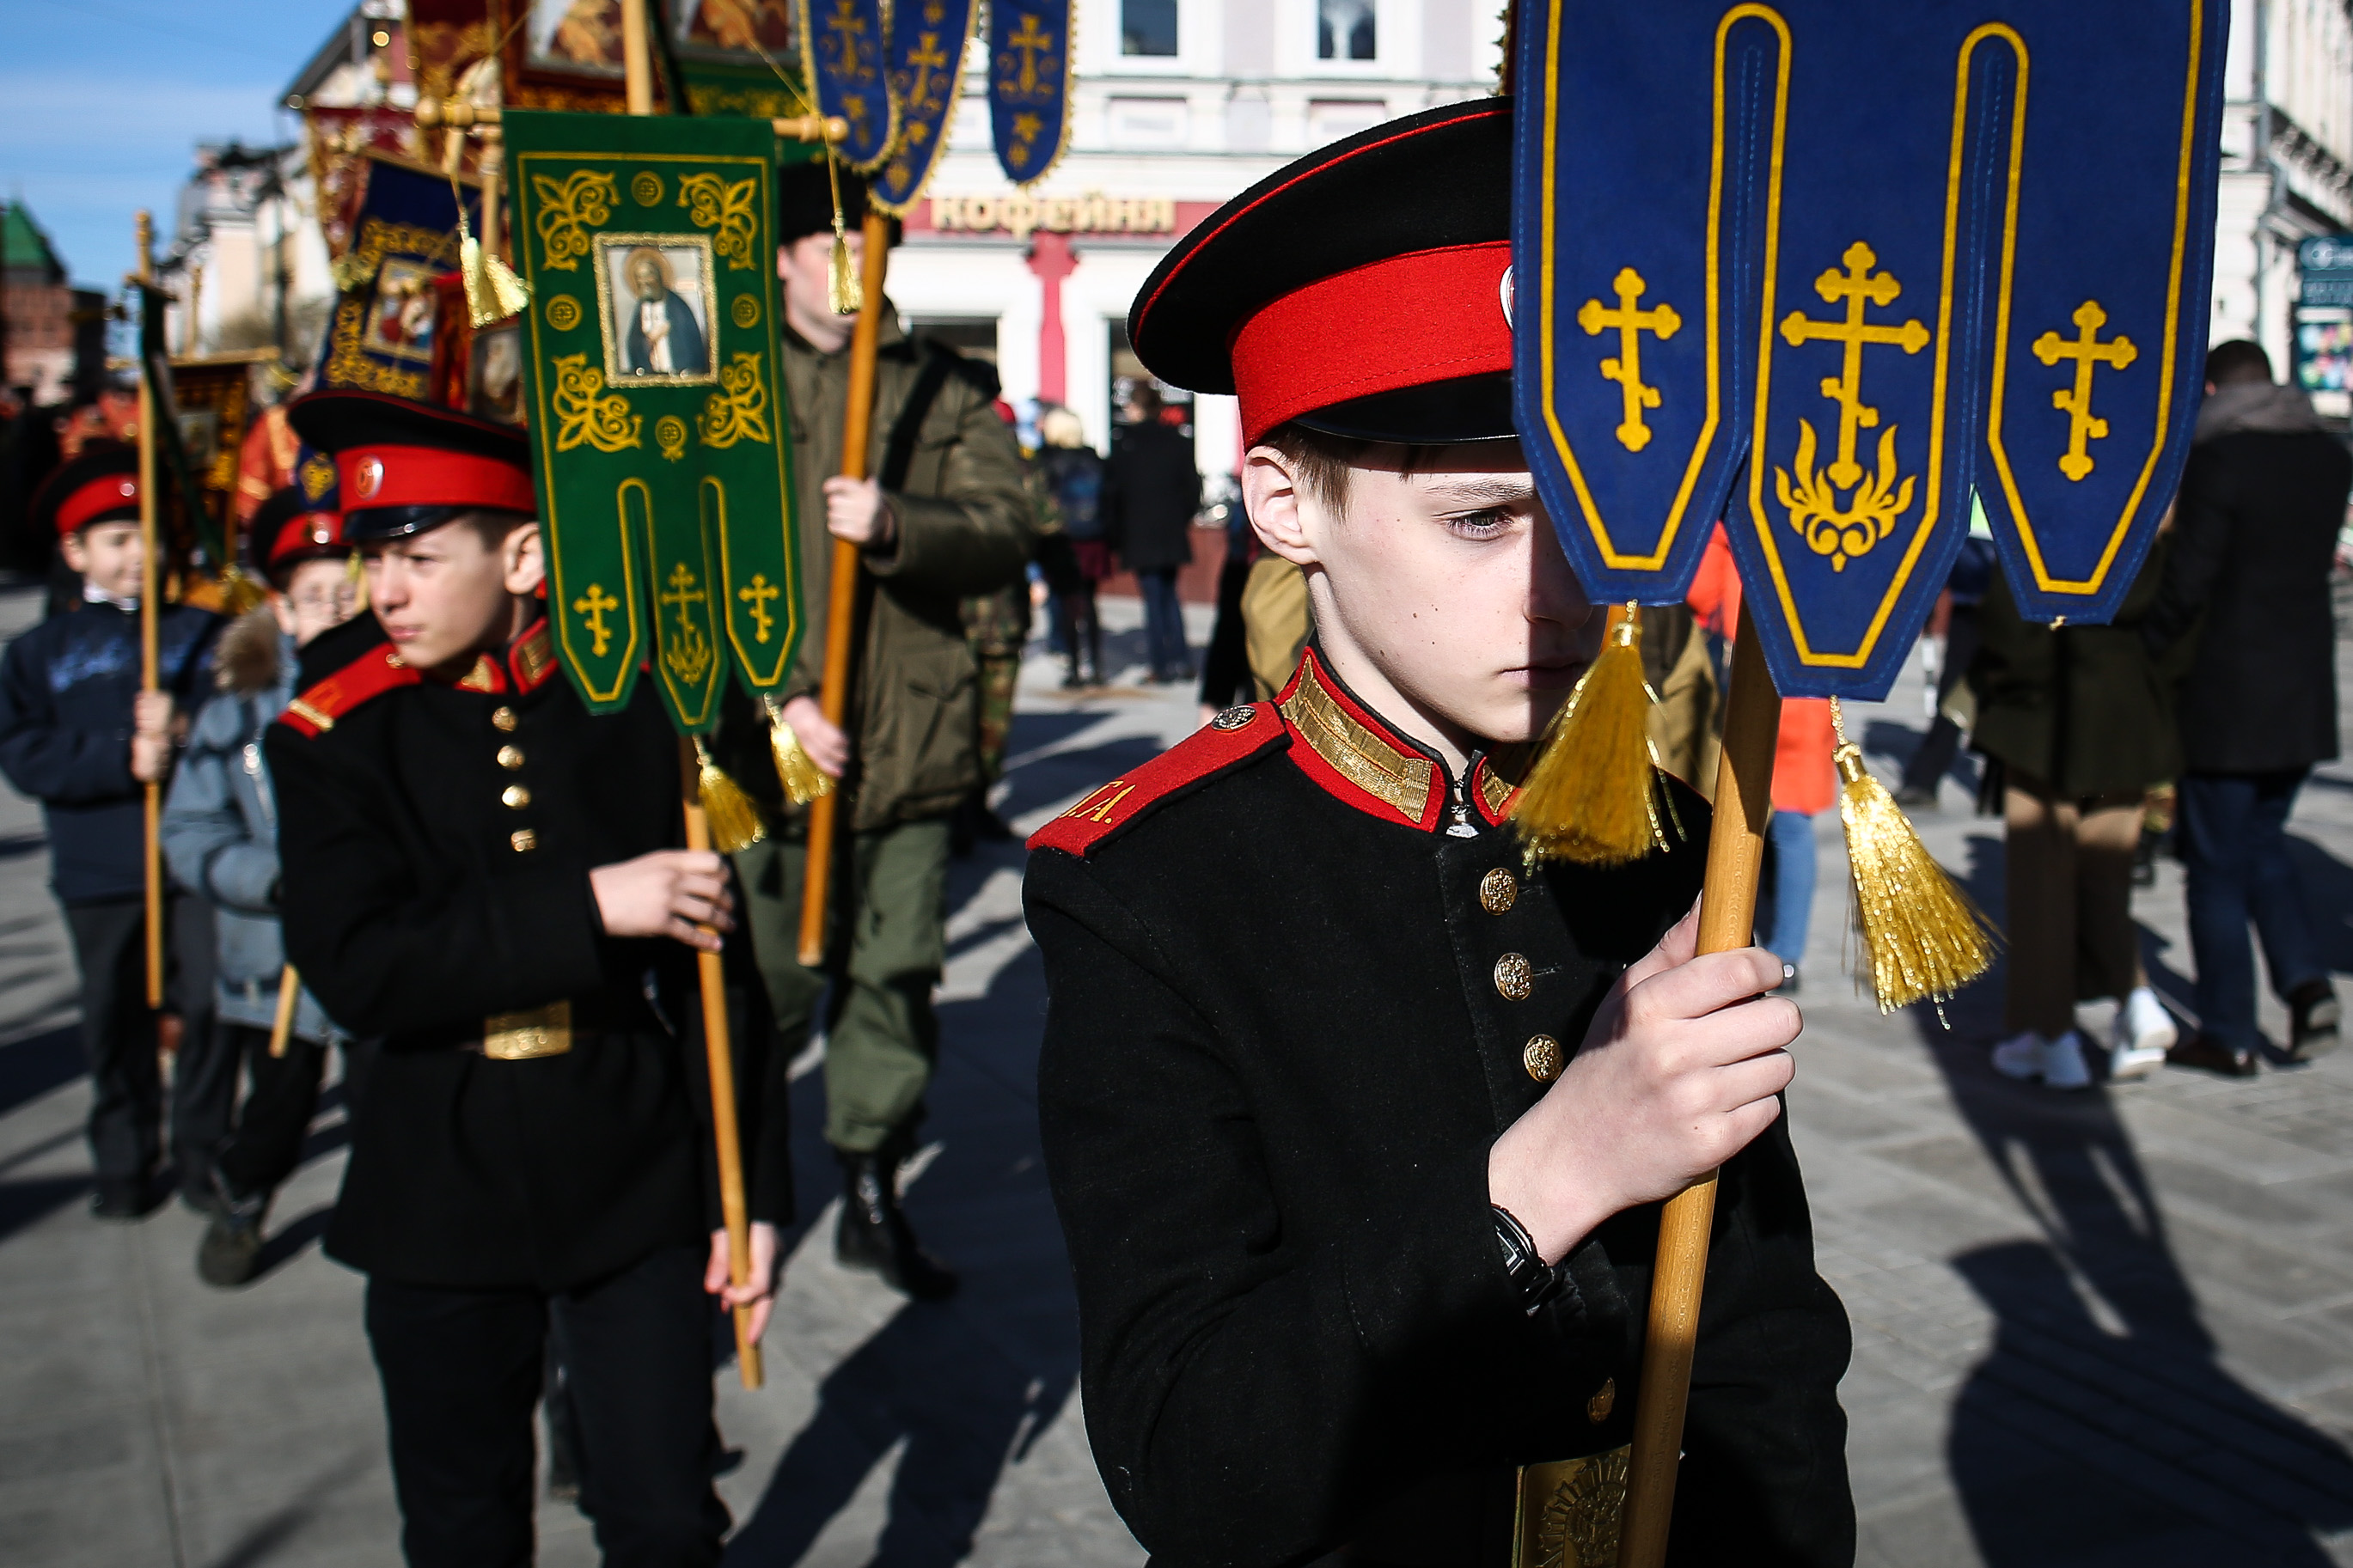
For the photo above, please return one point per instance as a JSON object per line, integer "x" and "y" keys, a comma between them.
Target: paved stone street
{"x": 2105, "y": 1329}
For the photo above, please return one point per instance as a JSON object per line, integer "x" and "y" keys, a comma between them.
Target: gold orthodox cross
{"x": 926, "y": 56}
{"x": 2089, "y": 353}
{"x": 1626, "y": 369}
{"x": 1859, "y": 286}
{"x": 680, "y": 581}
{"x": 1032, "y": 41}
{"x": 846, "y": 25}
{"x": 594, "y": 605}
{"x": 757, "y": 593}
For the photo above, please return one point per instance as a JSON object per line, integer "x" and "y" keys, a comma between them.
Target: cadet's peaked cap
{"x": 1363, "y": 290}
{"x": 288, "y": 530}
{"x": 405, "y": 467}
{"x": 100, "y": 486}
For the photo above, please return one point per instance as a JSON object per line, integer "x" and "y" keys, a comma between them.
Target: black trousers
{"x": 463, "y": 1369}
{"x": 118, "y": 1037}
{"x": 281, "y": 1096}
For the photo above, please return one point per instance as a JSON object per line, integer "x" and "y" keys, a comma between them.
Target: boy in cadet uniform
{"x": 942, "y": 516}
{"x": 220, "y": 836}
{"x": 1356, "y": 1122}
{"x": 482, "y": 876}
{"x": 78, "y": 734}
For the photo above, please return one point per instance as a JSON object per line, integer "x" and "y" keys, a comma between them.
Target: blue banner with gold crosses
{"x": 842, "y": 43}
{"x": 1885, "y": 255}
{"x": 925, "y": 62}
{"x": 1029, "y": 85}
{"x": 404, "y": 232}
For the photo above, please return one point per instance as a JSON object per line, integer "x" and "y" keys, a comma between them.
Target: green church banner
{"x": 660, "y": 435}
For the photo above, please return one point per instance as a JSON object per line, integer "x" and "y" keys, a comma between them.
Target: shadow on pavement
{"x": 2101, "y": 1428}
{"x": 33, "y": 1066}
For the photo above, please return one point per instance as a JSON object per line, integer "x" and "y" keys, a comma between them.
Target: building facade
{"x": 2287, "y": 177}
{"x": 1178, "y": 105}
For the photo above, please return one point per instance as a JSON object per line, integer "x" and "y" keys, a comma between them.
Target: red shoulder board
{"x": 371, "y": 675}
{"x": 1224, "y": 741}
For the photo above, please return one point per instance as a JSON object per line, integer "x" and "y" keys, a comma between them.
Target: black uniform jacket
{"x": 1297, "y": 976}
{"x": 437, "y": 841}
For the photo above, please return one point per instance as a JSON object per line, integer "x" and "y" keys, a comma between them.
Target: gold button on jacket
{"x": 1498, "y": 892}
{"x": 1514, "y": 977}
{"x": 515, "y": 796}
{"x": 511, "y": 757}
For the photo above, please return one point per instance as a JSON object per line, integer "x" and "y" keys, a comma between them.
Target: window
{"x": 1147, "y": 27}
{"x": 1344, "y": 30}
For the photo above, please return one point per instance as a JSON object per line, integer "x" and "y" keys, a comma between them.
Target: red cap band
{"x": 314, "y": 530}
{"x": 381, "y": 476}
{"x": 1409, "y": 320}
{"x": 108, "y": 492}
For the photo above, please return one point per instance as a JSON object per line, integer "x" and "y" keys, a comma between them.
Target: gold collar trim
{"x": 1397, "y": 778}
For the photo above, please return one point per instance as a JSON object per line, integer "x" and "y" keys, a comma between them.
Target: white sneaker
{"x": 2063, "y": 1062}
{"x": 2143, "y": 1024}
{"x": 2020, "y": 1056}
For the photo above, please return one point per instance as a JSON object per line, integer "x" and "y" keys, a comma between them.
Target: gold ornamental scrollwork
{"x": 732, "y": 211}
{"x": 583, "y": 417}
{"x": 738, "y": 411}
{"x": 569, "y": 208}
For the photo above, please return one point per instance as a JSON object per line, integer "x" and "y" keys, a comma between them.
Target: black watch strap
{"x": 1533, "y": 1281}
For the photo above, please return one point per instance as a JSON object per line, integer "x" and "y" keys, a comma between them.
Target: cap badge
{"x": 323, "y": 534}
{"x": 128, "y": 489}
{"x": 368, "y": 477}
{"x": 1505, "y": 290}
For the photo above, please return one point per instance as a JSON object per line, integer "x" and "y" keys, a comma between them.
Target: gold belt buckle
{"x": 533, "y": 1032}
{"x": 1569, "y": 1511}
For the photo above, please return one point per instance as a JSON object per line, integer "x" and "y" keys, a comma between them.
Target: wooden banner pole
{"x": 151, "y": 593}
{"x": 282, "y": 1025}
{"x": 1727, "y": 920}
{"x": 719, "y": 1051}
{"x": 841, "y": 600}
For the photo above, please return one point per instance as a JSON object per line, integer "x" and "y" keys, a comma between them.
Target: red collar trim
{"x": 1493, "y": 794}
{"x": 1347, "y": 748}
{"x": 532, "y": 661}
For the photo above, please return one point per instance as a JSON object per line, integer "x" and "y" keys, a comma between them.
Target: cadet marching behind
{"x": 220, "y": 837}
{"x": 486, "y": 880}
{"x": 946, "y": 516}
{"x": 77, "y": 734}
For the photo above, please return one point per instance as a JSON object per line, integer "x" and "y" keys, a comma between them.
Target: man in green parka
{"x": 943, "y": 517}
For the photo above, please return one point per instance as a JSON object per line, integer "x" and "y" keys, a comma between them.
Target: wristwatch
{"x": 1533, "y": 1280}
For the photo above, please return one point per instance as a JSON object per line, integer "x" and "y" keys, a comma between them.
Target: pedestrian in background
{"x": 77, "y": 734}
{"x": 221, "y": 834}
{"x": 1074, "y": 478}
{"x": 2254, "y": 536}
{"x": 1965, "y": 589}
{"x": 2079, "y": 719}
{"x": 1151, "y": 490}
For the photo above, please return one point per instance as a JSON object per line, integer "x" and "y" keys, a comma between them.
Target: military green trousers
{"x": 882, "y": 1037}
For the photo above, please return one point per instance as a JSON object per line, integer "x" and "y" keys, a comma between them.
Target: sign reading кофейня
{"x": 659, "y": 433}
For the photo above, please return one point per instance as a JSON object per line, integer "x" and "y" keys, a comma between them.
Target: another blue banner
{"x": 925, "y": 61}
{"x": 842, "y": 46}
{"x": 1888, "y": 254}
{"x": 403, "y": 230}
{"x": 1029, "y": 85}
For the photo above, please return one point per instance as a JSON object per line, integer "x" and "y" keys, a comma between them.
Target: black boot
{"x": 873, "y": 1233}
{"x": 231, "y": 1249}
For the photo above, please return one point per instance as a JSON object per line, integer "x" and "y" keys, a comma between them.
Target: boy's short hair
{"x": 2237, "y": 360}
{"x": 1321, "y": 461}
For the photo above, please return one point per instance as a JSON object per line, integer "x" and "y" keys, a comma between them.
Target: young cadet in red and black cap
{"x": 220, "y": 837}
{"x": 1356, "y": 1123}
{"x": 78, "y": 734}
{"x": 481, "y": 875}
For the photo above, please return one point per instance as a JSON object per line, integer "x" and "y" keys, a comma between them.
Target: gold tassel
{"x": 843, "y": 290}
{"x": 493, "y": 293}
{"x": 1592, "y": 796}
{"x": 802, "y": 779}
{"x": 734, "y": 821}
{"x": 1923, "y": 937}
{"x": 239, "y": 592}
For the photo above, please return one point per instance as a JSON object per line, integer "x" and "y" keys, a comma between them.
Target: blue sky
{"x": 102, "y": 102}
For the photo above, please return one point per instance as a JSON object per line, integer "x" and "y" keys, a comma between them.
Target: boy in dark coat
{"x": 78, "y": 734}
{"x": 2254, "y": 538}
{"x": 1356, "y": 1123}
{"x": 220, "y": 836}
